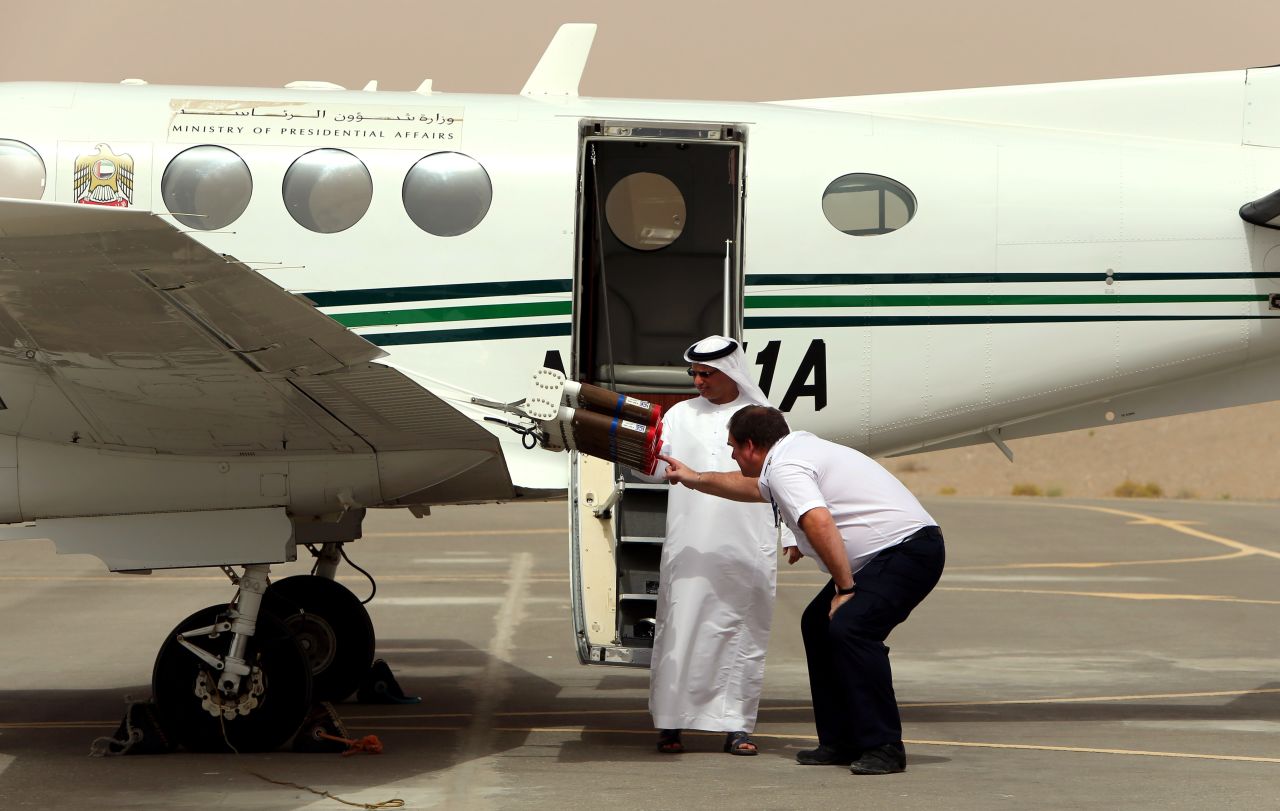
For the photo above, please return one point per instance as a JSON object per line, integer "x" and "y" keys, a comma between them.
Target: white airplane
{"x": 233, "y": 320}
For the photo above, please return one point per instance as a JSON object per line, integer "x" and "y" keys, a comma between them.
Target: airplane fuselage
{"x": 1043, "y": 270}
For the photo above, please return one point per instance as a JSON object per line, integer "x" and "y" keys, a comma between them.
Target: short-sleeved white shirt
{"x": 872, "y": 510}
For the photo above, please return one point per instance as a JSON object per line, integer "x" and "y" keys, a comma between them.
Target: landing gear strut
{"x": 232, "y": 678}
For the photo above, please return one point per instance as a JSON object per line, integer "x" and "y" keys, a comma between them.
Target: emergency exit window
{"x": 866, "y": 205}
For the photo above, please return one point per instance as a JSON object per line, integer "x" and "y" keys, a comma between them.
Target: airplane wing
{"x": 158, "y": 344}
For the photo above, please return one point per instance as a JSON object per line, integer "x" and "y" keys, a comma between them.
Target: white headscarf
{"x": 726, "y": 354}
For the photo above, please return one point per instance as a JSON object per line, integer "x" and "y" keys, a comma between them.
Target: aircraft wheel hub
{"x": 216, "y": 703}
{"x": 316, "y": 638}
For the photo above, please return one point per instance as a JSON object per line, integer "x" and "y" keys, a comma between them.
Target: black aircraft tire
{"x": 333, "y": 628}
{"x": 283, "y": 705}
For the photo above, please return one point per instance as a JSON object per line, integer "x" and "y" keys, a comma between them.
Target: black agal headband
{"x": 693, "y": 355}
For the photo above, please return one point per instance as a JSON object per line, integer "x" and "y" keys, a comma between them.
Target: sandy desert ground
{"x": 1216, "y": 455}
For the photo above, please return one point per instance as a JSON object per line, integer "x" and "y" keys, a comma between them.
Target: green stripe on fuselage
{"x": 829, "y": 279}
{"x": 463, "y": 313}
{"x": 927, "y": 300}
{"x": 438, "y": 292}
{"x": 437, "y": 336}
{"x": 811, "y": 322}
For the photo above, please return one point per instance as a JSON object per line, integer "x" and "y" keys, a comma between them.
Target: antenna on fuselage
{"x": 560, "y": 69}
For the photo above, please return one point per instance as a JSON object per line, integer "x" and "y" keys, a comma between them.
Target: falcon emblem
{"x": 104, "y": 178}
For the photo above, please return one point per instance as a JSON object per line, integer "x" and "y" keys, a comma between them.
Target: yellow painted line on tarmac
{"x": 1089, "y": 750}
{"x": 1139, "y": 519}
{"x": 1101, "y": 564}
{"x": 1107, "y": 595}
{"x": 579, "y": 730}
{"x": 56, "y": 724}
{"x": 466, "y": 533}
{"x": 1239, "y": 548}
{"x": 517, "y": 714}
{"x": 221, "y": 578}
{"x": 1117, "y": 595}
{"x": 1096, "y": 699}
{"x": 763, "y": 710}
{"x": 585, "y": 730}
{"x": 919, "y": 704}
{"x": 462, "y": 578}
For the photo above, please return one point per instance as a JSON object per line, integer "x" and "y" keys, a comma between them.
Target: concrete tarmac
{"x": 1105, "y": 654}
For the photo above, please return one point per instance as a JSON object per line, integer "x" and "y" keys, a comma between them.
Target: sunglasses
{"x": 700, "y": 373}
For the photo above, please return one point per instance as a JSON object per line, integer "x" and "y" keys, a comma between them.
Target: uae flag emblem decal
{"x": 104, "y": 178}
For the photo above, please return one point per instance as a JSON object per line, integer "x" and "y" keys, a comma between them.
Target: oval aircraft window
{"x": 327, "y": 190}
{"x": 447, "y": 193}
{"x": 646, "y": 211}
{"x": 864, "y": 205}
{"x": 206, "y": 187}
{"x": 21, "y": 171}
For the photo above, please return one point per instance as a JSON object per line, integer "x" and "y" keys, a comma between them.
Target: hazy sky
{"x": 747, "y": 49}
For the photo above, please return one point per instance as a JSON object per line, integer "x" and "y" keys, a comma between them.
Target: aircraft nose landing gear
{"x": 218, "y": 689}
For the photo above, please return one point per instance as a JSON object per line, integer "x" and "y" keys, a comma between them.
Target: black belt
{"x": 924, "y": 532}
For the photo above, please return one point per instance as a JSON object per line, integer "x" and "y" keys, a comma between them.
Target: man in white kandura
{"x": 719, "y": 567}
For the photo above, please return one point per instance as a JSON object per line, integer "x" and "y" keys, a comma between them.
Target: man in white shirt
{"x": 709, "y": 646}
{"x": 884, "y": 553}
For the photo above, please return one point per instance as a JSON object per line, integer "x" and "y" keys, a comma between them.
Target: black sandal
{"x": 740, "y": 743}
{"x": 669, "y": 742}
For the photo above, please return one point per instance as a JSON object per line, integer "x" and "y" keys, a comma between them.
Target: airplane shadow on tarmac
{"x": 486, "y": 707}
{"x": 476, "y": 706}
{"x": 1259, "y": 706}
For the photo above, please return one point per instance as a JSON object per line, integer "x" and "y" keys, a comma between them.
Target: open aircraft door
{"x": 659, "y": 267}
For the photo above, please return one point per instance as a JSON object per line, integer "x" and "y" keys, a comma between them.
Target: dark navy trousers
{"x": 854, "y": 707}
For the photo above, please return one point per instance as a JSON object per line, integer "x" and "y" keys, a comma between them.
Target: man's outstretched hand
{"x": 724, "y": 484}
{"x": 678, "y": 472}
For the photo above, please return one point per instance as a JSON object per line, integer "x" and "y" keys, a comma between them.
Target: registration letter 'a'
{"x": 814, "y": 363}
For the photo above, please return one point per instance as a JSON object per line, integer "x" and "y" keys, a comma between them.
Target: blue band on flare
{"x": 617, "y": 409}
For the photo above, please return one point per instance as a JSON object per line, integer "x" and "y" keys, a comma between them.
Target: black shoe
{"x": 888, "y": 759}
{"x": 825, "y": 756}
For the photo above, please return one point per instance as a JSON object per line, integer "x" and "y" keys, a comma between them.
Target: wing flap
{"x": 391, "y": 412}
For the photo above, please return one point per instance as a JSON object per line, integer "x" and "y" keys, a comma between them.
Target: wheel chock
{"x": 380, "y": 687}
{"x": 139, "y": 733}
{"x": 322, "y": 732}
